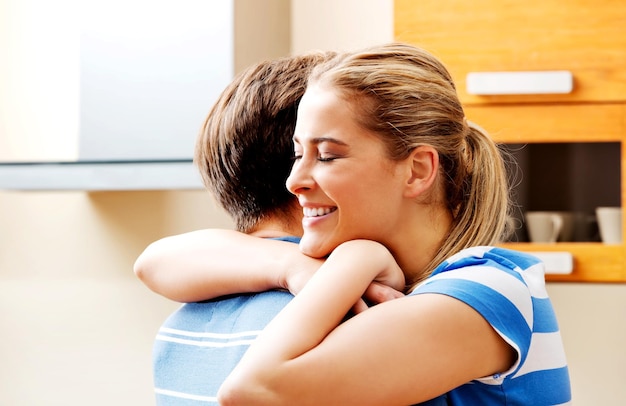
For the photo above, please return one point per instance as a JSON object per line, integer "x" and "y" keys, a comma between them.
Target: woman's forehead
{"x": 323, "y": 111}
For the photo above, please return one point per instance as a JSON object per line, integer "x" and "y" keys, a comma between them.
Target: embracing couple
{"x": 401, "y": 297}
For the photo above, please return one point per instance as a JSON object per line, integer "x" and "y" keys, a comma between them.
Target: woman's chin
{"x": 314, "y": 248}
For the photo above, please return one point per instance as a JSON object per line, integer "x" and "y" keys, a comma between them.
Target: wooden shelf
{"x": 593, "y": 262}
{"x": 551, "y": 122}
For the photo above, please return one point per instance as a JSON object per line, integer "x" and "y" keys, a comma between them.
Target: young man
{"x": 244, "y": 153}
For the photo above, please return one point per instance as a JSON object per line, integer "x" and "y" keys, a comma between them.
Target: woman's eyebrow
{"x": 320, "y": 140}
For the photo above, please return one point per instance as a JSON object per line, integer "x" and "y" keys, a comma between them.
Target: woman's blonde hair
{"x": 406, "y": 96}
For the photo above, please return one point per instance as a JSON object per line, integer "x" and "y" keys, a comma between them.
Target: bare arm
{"x": 401, "y": 352}
{"x": 210, "y": 263}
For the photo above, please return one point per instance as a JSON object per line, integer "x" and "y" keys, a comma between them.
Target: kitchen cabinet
{"x": 585, "y": 38}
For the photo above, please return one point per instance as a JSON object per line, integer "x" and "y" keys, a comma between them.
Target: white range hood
{"x": 99, "y": 176}
{"x": 149, "y": 72}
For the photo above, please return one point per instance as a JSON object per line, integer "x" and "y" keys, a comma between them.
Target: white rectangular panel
{"x": 502, "y": 83}
{"x": 561, "y": 263}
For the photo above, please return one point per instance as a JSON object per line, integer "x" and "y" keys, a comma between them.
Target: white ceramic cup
{"x": 610, "y": 224}
{"x": 549, "y": 226}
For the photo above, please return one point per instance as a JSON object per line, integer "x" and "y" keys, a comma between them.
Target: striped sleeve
{"x": 507, "y": 288}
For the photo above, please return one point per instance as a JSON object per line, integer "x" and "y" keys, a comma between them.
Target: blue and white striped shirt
{"x": 508, "y": 289}
{"x": 199, "y": 345}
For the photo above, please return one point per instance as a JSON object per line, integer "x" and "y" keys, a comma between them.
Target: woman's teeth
{"x": 316, "y": 212}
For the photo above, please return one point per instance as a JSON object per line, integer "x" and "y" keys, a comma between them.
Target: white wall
{"x": 593, "y": 325}
{"x": 341, "y": 25}
{"x": 35, "y": 100}
{"x": 76, "y": 327}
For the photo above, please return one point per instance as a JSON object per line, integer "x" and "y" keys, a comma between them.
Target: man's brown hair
{"x": 244, "y": 150}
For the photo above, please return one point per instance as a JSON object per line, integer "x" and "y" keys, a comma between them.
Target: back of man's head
{"x": 244, "y": 150}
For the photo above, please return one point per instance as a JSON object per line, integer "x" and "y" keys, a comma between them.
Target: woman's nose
{"x": 299, "y": 179}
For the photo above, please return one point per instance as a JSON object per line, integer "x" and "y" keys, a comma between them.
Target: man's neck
{"x": 271, "y": 233}
{"x": 273, "y": 228}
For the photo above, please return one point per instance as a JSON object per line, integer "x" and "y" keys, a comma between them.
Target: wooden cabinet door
{"x": 585, "y": 37}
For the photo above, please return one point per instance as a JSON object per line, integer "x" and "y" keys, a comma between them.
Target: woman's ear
{"x": 423, "y": 164}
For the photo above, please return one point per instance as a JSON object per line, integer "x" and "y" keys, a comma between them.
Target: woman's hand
{"x": 388, "y": 285}
{"x": 389, "y": 280}
{"x": 376, "y": 293}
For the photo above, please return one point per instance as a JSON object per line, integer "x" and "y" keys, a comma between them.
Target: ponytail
{"x": 479, "y": 197}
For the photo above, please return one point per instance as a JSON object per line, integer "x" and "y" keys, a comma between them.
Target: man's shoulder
{"x": 252, "y": 310}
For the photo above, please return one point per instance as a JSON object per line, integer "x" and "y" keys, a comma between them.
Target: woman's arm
{"x": 210, "y": 263}
{"x": 401, "y": 352}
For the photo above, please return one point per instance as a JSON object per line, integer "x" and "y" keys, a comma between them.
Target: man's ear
{"x": 423, "y": 165}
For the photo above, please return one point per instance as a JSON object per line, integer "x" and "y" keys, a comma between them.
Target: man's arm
{"x": 205, "y": 264}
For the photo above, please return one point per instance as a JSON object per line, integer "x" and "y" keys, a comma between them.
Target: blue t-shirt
{"x": 201, "y": 343}
{"x": 508, "y": 289}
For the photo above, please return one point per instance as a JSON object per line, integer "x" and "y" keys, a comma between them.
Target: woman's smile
{"x": 317, "y": 211}
{"x": 314, "y": 217}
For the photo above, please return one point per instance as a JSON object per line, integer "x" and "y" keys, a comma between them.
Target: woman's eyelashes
{"x": 326, "y": 158}
{"x": 320, "y": 157}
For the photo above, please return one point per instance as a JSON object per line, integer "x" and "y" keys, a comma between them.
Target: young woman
{"x": 396, "y": 188}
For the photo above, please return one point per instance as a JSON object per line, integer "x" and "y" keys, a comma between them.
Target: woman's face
{"x": 345, "y": 182}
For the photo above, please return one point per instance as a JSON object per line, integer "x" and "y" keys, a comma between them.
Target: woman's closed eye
{"x": 327, "y": 158}
{"x": 320, "y": 157}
